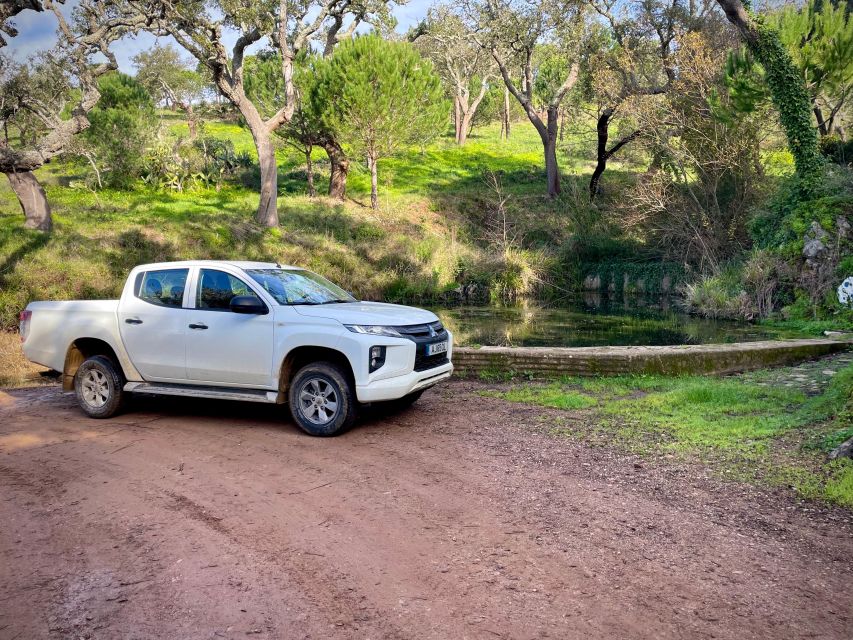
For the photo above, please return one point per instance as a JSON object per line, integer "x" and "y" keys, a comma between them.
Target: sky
{"x": 37, "y": 31}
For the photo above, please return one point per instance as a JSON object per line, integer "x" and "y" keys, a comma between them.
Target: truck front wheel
{"x": 322, "y": 400}
{"x": 99, "y": 386}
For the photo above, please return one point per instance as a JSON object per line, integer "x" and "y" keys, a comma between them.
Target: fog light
{"x": 377, "y": 358}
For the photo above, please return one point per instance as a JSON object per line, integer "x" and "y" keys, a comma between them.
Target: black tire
{"x": 313, "y": 391}
{"x": 99, "y": 387}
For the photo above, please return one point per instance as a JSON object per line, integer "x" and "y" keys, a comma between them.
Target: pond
{"x": 595, "y": 320}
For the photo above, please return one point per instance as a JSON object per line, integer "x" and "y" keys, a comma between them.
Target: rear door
{"x": 222, "y": 346}
{"x": 153, "y": 324}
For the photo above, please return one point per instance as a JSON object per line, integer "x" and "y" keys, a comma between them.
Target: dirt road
{"x": 459, "y": 518}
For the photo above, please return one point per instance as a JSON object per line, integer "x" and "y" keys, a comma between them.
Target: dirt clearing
{"x": 459, "y": 518}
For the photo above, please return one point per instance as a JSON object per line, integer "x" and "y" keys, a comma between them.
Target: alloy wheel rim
{"x": 95, "y": 388}
{"x": 318, "y": 401}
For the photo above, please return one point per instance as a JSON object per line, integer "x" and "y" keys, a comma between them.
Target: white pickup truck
{"x": 249, "y": 331}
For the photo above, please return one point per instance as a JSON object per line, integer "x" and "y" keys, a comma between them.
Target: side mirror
{"x": 249, "y": 305}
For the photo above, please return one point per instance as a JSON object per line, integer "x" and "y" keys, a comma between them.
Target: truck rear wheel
{"x": 99, "y": 386}
{"x": 322, "y": 399}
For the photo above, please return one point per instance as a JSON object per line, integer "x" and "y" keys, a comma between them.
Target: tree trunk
{"x": 33, "y": 200}
{"x": 465, "y": 128}
{"x": 603, "y": 131}
{"x": 267, "y": 214}
{"x": 549, "y": 140}
{"x": 192, "y": 120}
{"x": 457, "y": 119}
{"x": 268, "y": 207}
{"x": 505, "y": 126}
{"x": 309, "y": 170}
{"x": 339, "y": 168}
{"x": 788, "y": 90}
{"x": 374, "y": 191}
{"x": 821, "y": 123}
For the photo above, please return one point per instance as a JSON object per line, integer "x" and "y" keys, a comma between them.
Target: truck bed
{"x": 55, "y": 325}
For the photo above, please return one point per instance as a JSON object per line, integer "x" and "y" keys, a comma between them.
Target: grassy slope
{"x": 423, "y": 234}
{"x": 746, "y": 427}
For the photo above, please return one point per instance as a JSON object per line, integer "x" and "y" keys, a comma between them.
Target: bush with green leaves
{"x": 121, "y": 127}
{"x": 750, "y": 290}
{"x": 202, "y": 163}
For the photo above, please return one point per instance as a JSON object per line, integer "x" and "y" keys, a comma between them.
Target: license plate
{"x": 437, "y": 347}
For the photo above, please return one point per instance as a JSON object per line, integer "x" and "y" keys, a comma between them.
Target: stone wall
{"x": 677, "y": 360}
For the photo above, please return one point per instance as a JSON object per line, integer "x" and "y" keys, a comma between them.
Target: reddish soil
{"x": 458, "y": 518}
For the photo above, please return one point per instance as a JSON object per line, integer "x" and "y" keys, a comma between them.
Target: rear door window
{"x": 164, "y": 288}
{"x": 216, "y": 288}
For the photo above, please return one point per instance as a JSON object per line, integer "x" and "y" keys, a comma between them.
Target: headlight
{"x": 374, "y": 330}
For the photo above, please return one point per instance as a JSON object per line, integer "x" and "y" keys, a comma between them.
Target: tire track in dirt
{"x": 457, "y": 518}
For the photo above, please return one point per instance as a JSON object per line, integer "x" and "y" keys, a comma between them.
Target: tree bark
{"x": 33, "y": 200}
{"x": 374, "y": 182}
{"x": 505, "y": 124}
{"x": 309, "y": 170}
{"x": 821, "y": 123}
{"x": 192, "y": 120}
{"x": 268, "y": 207}
{"x": 339, "y": 168}
{"x": 457, "y": 119}
{"x": 602, "y": 129}
{"x": 549, "y": 141}
{"x": 465, "y": 128}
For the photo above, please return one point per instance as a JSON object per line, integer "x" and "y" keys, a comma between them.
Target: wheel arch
{"x": 77, "y": 353}
{"x": 300, "y": 356}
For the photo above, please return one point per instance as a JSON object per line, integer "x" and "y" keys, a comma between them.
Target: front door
{"x": 223, "y": 346}
{"x": 153, "y": 324}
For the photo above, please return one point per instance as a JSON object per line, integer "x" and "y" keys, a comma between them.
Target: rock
{"x": 592, "y": 282}
{"x": 843, "y": 226}
{"x": 813, "y": 247}
{"x": 815, "y": 241}
{"x": 665, "y": 284}
{"x": 844, "y": 450}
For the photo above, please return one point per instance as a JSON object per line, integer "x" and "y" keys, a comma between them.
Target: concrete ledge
{"x": 678, "y": 360}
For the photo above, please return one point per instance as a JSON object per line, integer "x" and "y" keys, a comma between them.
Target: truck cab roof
{"x": 240, "y": 264}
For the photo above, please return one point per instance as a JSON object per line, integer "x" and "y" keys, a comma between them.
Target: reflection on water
{"x": 594, "y": 320}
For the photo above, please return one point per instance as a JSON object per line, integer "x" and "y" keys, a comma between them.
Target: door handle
{"x": 133, "y": 321}
{"x": 198, "y": 325}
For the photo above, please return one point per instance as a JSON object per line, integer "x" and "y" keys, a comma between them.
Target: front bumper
{"x": 399, "y": 386}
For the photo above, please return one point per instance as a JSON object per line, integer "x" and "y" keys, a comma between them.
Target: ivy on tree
{"x": 787, "y": 88}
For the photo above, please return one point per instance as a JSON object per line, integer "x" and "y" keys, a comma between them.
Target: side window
{"x": 216, "y": 288}
{"x": 164, "y": 288}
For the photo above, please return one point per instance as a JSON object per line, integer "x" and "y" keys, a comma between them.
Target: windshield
{"x": 297, "y": 286}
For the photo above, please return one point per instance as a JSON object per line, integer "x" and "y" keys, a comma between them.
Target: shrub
{"x": 747, "y": 291}
{"x": 838, "y": 150}
{"x": 120, "y": 129}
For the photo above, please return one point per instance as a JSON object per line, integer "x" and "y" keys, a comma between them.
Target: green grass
{"x": 742, "y": 427}
{"x": 553, "y": 396}
{"x": 423, "y": 240}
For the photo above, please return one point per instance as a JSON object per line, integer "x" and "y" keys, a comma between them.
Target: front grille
{"x": 420, "y": 335}
{"x": 418, "y": 331}
{"x": 424, "y": 362}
